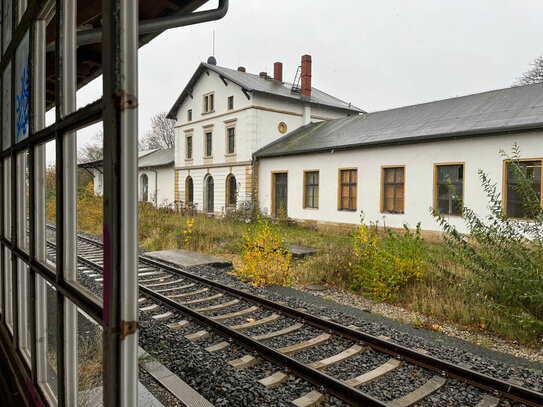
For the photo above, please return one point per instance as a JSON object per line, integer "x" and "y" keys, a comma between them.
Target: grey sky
{"x": 377, "y": 54}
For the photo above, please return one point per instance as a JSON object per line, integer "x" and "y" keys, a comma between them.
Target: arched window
{"x": 189, "y": 190}
{"x": 231, "y": 190}
{"x": 144, "y": 187}
{"x": 209, "y": 194}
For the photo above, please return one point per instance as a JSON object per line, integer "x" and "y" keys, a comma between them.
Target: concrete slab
{"x": 299, "y": 252}
{"x": 186, "y": 258}
{"x": 94, "y": 396}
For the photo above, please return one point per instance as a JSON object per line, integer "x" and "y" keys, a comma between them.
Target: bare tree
{"x": 532, "y": 75}
{"x": 161, "y": 135}
{"x": 92, "y": 151}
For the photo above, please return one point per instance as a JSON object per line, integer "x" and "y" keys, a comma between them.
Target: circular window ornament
{"x": 282, "y": 127}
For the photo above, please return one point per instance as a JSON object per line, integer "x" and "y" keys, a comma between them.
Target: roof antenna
{"x": 211, "y": 60}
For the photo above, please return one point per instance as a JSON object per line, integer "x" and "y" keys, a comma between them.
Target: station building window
{"x": 514, "y": 198}
{"x": 348, "y": 179}
{"x": 449, "y": 186}
{"x": 311, "y": 189}
{"x": 392, "y": 189}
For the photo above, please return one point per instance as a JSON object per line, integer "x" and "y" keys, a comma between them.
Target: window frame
{"x": 228, "y": 188}
{"x": 230, "y": 102}
{"x": 339, "y": 187}
{"x": 273, "y": 173}
{"x": 189, "y": 115}
{"x": 206, "y": 108}
{"x": 208, "y": 142}
{"x": 382, "y": 200}
{"x": 187, "y": 137}
{"x": 304, "y": 196}
{"x": 504, "y": 185}
{"x": 435, "y": 186}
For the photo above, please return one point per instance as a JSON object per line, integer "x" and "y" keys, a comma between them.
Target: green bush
{"x": 385, "y": 266}
{"x": 504, "y": 256}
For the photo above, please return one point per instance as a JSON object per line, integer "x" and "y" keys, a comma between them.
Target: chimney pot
{"x": 241, "y": 68}
{"x": 263, "y": 74}
{"x": 278, "y": 71}
{"x": 306, "y": 75}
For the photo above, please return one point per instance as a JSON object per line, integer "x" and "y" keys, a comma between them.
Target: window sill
{"x": 211, "y": 111}
{"x": 346, "y": 210}
{"x": 188, "y": 161}
{"x": 311, "y": 208}
{"x": 392, "y": 213}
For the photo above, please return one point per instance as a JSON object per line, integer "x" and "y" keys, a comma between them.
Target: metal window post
{"x": 119, "y": 60}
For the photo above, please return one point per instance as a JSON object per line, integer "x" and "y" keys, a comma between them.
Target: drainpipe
{"x": 254, "y": 198}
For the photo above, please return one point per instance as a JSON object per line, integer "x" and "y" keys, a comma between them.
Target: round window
{"x": 282, "y": 127}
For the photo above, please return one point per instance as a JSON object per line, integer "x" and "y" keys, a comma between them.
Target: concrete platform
{"x": 94, "y": 396}
{"x": 299, "y": 252}
{"x": 186, "y": 258}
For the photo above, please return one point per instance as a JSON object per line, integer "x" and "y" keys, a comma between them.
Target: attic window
{"x": 208, "y": 103}
{"x": 230, "y": 102}
{"x": 189, "y": 115}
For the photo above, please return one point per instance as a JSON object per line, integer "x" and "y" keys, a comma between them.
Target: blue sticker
{"x": 23, "y": 100}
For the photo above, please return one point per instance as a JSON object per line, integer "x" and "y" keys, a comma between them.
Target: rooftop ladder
{"x": 296, "y": 83}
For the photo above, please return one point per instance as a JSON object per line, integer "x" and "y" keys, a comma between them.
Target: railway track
{"x": 181, "y": 299}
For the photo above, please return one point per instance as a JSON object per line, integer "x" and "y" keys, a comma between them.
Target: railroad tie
{"x": 313, "y": 398}
{"x": 218, "y": 347}
{"x": 163, "y": 317}
{"x": 244, "y": 362}
{"x": 340, "y": 357}
{"x": 152, "y": 307}
{"x": 196, "y": 336}
{"x": 241, "y": 313}
{"x": 274, "y": 380}
{"x": 178, "y": 325}
{"x": 183, "y": 287}
{"x": 281, "y": 332}
{"x": 298, "y": 347}
{"x": 242, "y": 327}
{"x": 99, "y": 279}
{"x": 190, "y": 294}
{"x": 377, "y": 373}
{"x": 142, "y": 300}
{"x": 356, "y": 328}
{"x": 204, "y": 299}
{"x": 417, "y": 395}
{"x": 163, "y": 282}
{"x": 218, "y": 306}
{"x": 489, "y": 401}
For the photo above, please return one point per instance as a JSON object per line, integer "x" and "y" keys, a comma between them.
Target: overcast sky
{"x": 377, "y": 54}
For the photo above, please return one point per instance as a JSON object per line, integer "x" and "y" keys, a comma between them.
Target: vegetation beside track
{"x": 485, "y": 281}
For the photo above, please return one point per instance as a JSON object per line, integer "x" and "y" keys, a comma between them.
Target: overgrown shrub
{"x": 265, "y": 258}
{"x": 385, "y": 265}
{"x": 504, "y": 255}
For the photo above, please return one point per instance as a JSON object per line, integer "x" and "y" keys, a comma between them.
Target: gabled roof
{"x": 255, "y": 83}
{"x": 499, "y": 111}
{"x": 146, "y": 159}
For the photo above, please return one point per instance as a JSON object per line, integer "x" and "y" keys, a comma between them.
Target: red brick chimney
{"x": 278, "y": 71}
{"x": 306, "y": 75}
{"x": 241, "y": 68}
{"x": 263, "y": 74}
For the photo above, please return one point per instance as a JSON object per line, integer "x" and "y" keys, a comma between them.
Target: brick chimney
{"x": 278, "y": 71}
{"x": 263, "y": 74}
{"x": 306, "y": 75}
{"x": 241, "y": 68}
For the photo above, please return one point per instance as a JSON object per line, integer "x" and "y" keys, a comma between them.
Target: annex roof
{"x": 257, "y": 84}
{"x": 146, "y": 158}
{"x": 499, "y": 111}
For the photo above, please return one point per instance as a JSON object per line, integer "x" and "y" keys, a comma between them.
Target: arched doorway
{"x": 209, "y": 194}
{"x": 231, "y": 191}
{"x": 189, "y": 190}
{"x": 144, "y": 187}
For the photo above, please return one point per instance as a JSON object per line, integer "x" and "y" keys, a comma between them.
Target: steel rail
{"x": 480, "y": 380}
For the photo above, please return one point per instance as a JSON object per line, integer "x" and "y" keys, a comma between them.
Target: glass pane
{"x": 6, "y": 23}
{"x": 51, "y": 324}
{"x": 22, "y": 98}
{"x": 89, "y": 362}
{"x": 389, "y": 175}
{"x": 399, "y": 174}
{"x": 6, "y": 107}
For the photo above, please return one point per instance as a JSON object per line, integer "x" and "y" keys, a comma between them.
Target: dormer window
{"x": 189, "y": 115}
{"x": 208, "y": 105}
{"x": 230, "y": 102}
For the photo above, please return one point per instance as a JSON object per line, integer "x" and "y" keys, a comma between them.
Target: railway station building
{"x": 395, "y": 165}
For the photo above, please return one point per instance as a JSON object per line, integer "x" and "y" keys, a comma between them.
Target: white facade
{"x": 160, "y": 185}
{"x": 257, "y": 119}
{"x": 419, "y": 161}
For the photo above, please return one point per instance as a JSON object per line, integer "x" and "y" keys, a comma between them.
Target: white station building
{"x": 395, "y": 165}
{"x": 223, "y": 116}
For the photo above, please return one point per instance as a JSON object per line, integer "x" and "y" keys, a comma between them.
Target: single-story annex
{"x": 395, "y": 165}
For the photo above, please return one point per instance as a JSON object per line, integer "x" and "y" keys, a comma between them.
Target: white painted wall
{"x": 164, "y": 180}
{"x": 419, "y": 159}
